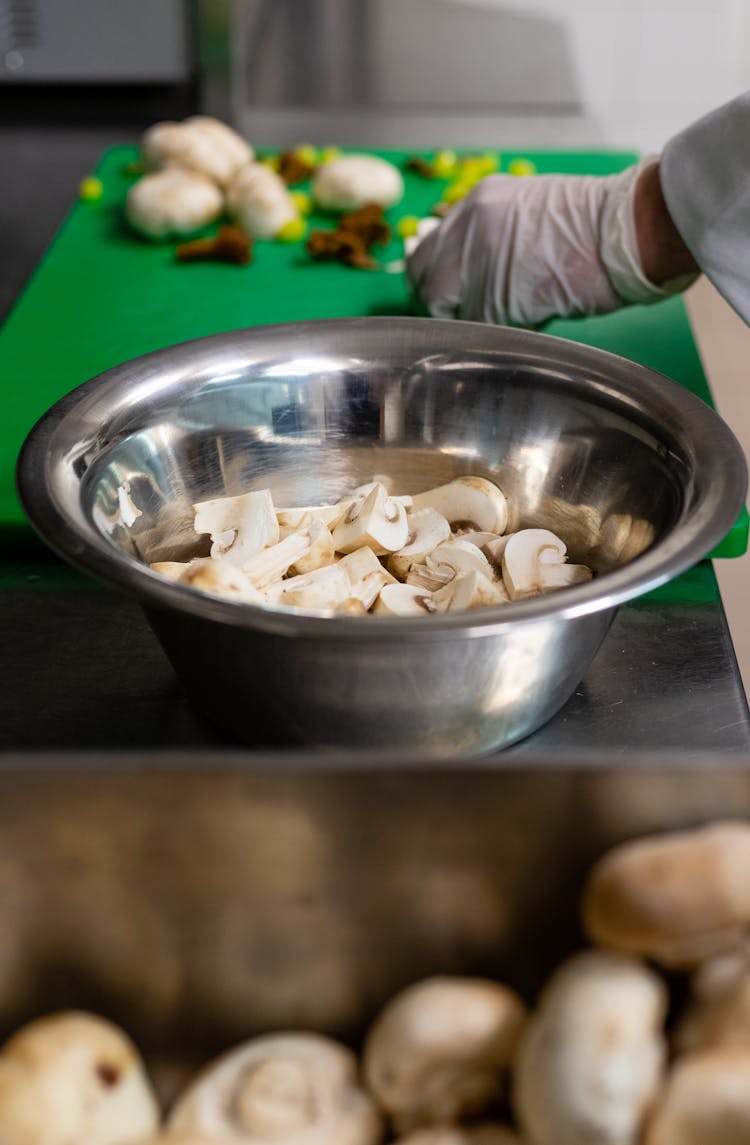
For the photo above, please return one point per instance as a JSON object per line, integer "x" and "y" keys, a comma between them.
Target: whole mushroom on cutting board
{"x": 74, "y": 1077}
{"x": 679, "y": 898}
{"x": 350, "y": 182}
{"x": 591, "y": 1058}
{"x": 291, "y": 1088}
{"x": 199, "y": 144}
{"x": 172, "y": 203}
{"x": 441, "y": 1049}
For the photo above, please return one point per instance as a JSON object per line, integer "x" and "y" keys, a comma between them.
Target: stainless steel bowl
{"x": 640, "y": 477}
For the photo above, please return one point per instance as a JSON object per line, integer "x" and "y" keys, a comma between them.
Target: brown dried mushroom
{"x": 439, "y": 1051}
{"x": 73, "y": 1077}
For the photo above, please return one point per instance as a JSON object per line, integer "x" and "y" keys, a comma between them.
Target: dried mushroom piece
{"x": 293, "y": 1089}
{"x": 440, "y": 1050}
{"x": 73, "y": 1077}
{"x": 679, "y": 898}
{"x": 230, "y": 244}
{"x": 590, "y": 1061}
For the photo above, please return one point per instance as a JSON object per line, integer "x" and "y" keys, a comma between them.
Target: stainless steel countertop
{"x": 85, "y": 670}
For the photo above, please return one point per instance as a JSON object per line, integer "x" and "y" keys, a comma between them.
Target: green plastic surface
{"x": 101, "y": 296}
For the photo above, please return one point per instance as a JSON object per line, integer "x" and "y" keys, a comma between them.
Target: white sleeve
{"x": 705, "y": 177}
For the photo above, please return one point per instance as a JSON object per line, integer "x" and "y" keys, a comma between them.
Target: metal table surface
{"x": 82, "y": 669}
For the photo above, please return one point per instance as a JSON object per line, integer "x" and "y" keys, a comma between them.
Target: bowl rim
{"x": 694, "y": 536}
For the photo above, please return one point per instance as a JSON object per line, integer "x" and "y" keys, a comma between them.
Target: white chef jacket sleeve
{"x": 705, "y": 177}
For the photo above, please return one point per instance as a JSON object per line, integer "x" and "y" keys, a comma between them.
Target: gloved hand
{"x": 517, "y": 251}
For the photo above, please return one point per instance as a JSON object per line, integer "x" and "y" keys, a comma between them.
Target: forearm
{"x": 663, "y": 253}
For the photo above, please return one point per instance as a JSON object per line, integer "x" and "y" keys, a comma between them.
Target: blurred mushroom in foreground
{"x": 590, "y": 1061}
{"x": 706, "y": 1101}
{"x": 294, "y": 1089}
{"x": 73, "y": 1077}
{"x": 440, "y": 1050}
{"x": 679, "y": 898}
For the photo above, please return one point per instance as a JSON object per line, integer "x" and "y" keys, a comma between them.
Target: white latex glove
{"x": 520, "y": 250}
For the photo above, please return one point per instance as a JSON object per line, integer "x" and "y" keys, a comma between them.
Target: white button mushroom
{"x": 260, "y": 201}
{"x": 439, "y": 1051}
{"x": 172, "y": 202}
{"x": 377, "y": 522}
{"x": 366, "y": 575}
{"x": 324, "y": 588}
{"x": 590, "y": 1061}
{"x": 239, "y": 526}
{"x": 469, "y": 501}
{"x": 294, "y": 1089}
{"x": 706, "y": 1101}
{"x": 352, "y": 181}
{"x": 219, "y": 577}
{"x": 73, "y": 1077}
{"x": 459, "y": 556}
{"x": 201, "y": 144}
{"x": 679, "y": 898}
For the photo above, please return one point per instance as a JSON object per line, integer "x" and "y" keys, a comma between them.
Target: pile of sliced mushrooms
{"x": 443, "y": 550}
{"x": 643, "y": 1038}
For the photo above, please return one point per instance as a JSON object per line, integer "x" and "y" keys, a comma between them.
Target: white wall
{"x": 647, "y": 67}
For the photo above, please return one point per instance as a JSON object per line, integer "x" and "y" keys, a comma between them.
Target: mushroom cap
{"x": 524, "y": 558}
{"x": 718, "y": 1012}
{"x": 679, "y": 898}
{"x": 200, "y": 143}
{"x": 468, "y": 500}
{"x": 260, "y": 200}
{"x": 439, "y": 1049}
{"x": 403, "y": 600}
{"x": 295, "y": 1089}
{"x": 73, "y": 1077}
{"x": 352, "y": 181}
{"x": 590, "y": 1060}
{"x": 706, "y": 1101}
{"x": 172, "y": 202}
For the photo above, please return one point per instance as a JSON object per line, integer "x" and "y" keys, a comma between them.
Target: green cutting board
{"x": 101, "y": 295}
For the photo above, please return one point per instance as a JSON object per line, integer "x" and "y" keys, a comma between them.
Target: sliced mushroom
{"x": 459, "y": 556}
{"x": 294, "y": 1089}
{"x": 554, "y": 576}
{"x": 427, "y": 529}
{"x": 525, "y": 557}
{"x": 274, "y": 561}
{"x": 421, "y": 577}
{"x": 352, "y": 181}
{"x": 172, "y": 203}
{"x": 439, "y": 1051}
{"x": 329, "y": 515}
{"x": 403, "y": 600}
{"x": 240, "y": 526}
{"x": 706, "y": 1101}
{"x": 73, "y": 1077}
{"x": 324, "y": 588}
{"x": 464, "y": 1135}
{"x": 320, "y": 553}
{"x": 366, "y": 575}
{"x": 260, "y": 201}
{"x": 679, "y": 898}
{"x": 468, "y": 590}
{"x": 590, "y": 1061}
{"x": 220, "y": 578}
{"x": 470, "y": 501}
{"x": 377, "y": 522}
{"x": 477, "y": 537}
{"x": 201, "y": 144}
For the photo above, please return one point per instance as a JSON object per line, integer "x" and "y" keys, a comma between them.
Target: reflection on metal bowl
{"x": 640, "y": 478}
